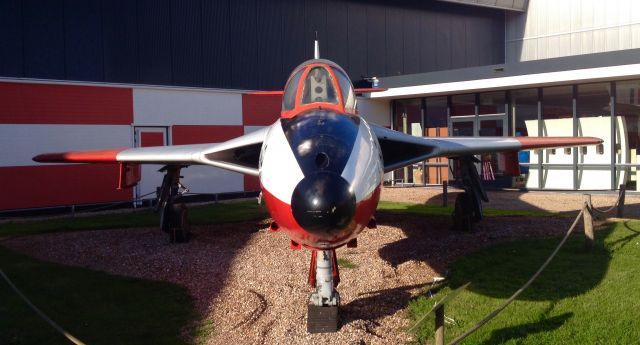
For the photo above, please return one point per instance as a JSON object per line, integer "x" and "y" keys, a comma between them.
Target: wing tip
{"x": 100, "y": 156}
{"x": 548, "y": 142}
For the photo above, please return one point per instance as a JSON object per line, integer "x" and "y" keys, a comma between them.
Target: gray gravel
{"x": 252, "y": 287}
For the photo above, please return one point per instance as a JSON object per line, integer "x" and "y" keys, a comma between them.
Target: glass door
{"x": 408, "y": 119}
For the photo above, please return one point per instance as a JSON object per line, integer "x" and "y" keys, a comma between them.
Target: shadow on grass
{"x": 96, "y": 307}
{"x": 503, "y": 335}
{"x": 500, "y": 270}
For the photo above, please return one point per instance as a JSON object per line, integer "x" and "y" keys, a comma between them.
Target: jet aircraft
{"x": 321, "y": 169}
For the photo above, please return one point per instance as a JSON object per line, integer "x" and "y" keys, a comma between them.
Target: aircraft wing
{"x": 239, "y": 154}
{"x": 400, "y": 149}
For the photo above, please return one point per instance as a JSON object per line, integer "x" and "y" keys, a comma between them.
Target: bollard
{"x": 623, "y": 190}
{"x": 445, "y": 191}
{"x": 440, "y": 325}
{"x": 588, "y": 221}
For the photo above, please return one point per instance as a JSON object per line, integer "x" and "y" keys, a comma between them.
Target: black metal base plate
{"x": 322, "y": 319}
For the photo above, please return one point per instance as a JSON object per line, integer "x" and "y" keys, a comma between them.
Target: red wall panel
{"x": 22, "y": 103}
{"x": 260, "y": 109}
{"x": 56, "y": 185}
{"x": 151, "y": 139}
{"x": 197, "y": 134}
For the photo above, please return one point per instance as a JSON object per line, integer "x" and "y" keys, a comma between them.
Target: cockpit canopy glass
{"x": 289, "y": 97}
{"x": 348, "y": 97}
{"x": 319, "y": 81}
{"x": 318, "y": 87}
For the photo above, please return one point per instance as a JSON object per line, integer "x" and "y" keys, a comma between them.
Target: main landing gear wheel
{"x": 463, "y": 213}
{"x": 173, "y": 216}
{"x": 468, "y": 206}
{"x": 174, "y": 222}
{"x": 322, "y": 312}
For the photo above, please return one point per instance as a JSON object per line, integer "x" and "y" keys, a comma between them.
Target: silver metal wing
{"x": 400, "y": 149}
{"x": 240, "y": 154}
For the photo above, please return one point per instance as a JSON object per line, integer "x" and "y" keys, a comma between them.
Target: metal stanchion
{"x": 623, "y": 190}
{"x": 445, "y": 193}
{"x": 439, "y": 313}
{"x": 588, "y": 222}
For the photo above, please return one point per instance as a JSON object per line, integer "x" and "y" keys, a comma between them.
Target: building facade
{"x": 572, "y": 68}
{"x": 98, "y": 73}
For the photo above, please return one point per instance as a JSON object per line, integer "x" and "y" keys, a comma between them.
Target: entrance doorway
{"x": 150, "y": 177}
{"x": 490, "y": 125}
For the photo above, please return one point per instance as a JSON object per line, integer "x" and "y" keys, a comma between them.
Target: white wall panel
{"x": 198, "y": 107}
{"x": 555, "y": 28}
{"x": 375, "y": 111}
{"x": 19, "y": 143}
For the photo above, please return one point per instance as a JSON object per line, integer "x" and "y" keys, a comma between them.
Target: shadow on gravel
{"x": 374, "y": 305}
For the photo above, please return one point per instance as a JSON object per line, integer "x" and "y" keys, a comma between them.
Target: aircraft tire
{"x": 463, "y": 213}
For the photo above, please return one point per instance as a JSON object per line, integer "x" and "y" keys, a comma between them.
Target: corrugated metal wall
{"x": 552, "y": 28}
{"x": 246, "y": 44}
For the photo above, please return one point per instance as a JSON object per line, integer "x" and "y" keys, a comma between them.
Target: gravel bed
{"x": 252, "y": 287}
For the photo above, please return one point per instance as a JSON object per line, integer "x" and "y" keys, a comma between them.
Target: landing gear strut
{"x": 173, "y": 217}
{"x": 468, "y": 206}
{"x": 324, "y": 301}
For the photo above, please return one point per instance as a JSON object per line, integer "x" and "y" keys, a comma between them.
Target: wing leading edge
{"x": 399, "y": 149}
{"x": 240, "y": 154}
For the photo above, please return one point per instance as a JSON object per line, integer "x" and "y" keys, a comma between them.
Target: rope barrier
{"x": 593, "y": 208}
{"x": 66, "y": 334}
{"x": 100, "y": 208}
{"x": 520, "y": 290}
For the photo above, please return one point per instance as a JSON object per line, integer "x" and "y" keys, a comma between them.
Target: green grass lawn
{"x": 97, "y": 308}
{"x": 203, "y": 214}
{"x": 434, "y": 210}
{"x": 581, "y": 298}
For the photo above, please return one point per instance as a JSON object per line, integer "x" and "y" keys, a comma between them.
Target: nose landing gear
{"x": 324, "y": 301}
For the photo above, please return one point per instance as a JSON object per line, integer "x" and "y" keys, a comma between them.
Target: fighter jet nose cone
{"x": 323, "y": 204}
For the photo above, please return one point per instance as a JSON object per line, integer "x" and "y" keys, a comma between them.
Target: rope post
{"x": 440, "y": 325}
{"x": 445, "y": 193}
{"x": 623, "y": 190}
{"x": 588, "y": 222}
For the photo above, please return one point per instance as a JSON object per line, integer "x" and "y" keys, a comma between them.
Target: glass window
{"x": 524, "y": 115}
{"x": 289, "y": 97}
{"x": 524, "y": 112}
{"x": 348, "y": 97}
{"x": 557, "y": 115}
{"x": 557, "y": 103}
{"x": 627, "y": 111}
{"x": 408, "y": 119}
{"x": 491, "y": 102}
{"x": 463, "y": 105}
{"x": 436, "y": 126}
{"x": 593, "y": 110}
{"x": 436, "y": 112}
{"x": 593, "y": 100}
{"x": 318, "y": 87}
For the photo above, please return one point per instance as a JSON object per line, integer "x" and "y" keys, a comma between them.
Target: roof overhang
{"x": 509, "y": 5}
{"x": 609, "y": 66}
{"x": 588, "y": 75}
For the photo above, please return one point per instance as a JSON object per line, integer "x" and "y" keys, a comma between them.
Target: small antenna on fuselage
{"x": 316, "y": 48}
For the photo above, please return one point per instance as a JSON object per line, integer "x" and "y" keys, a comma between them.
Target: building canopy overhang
{"x": 509, "y": 5}
{"x": 619, "y": 65}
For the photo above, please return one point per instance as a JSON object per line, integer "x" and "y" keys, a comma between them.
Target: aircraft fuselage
{"x": 320, "y": 174}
